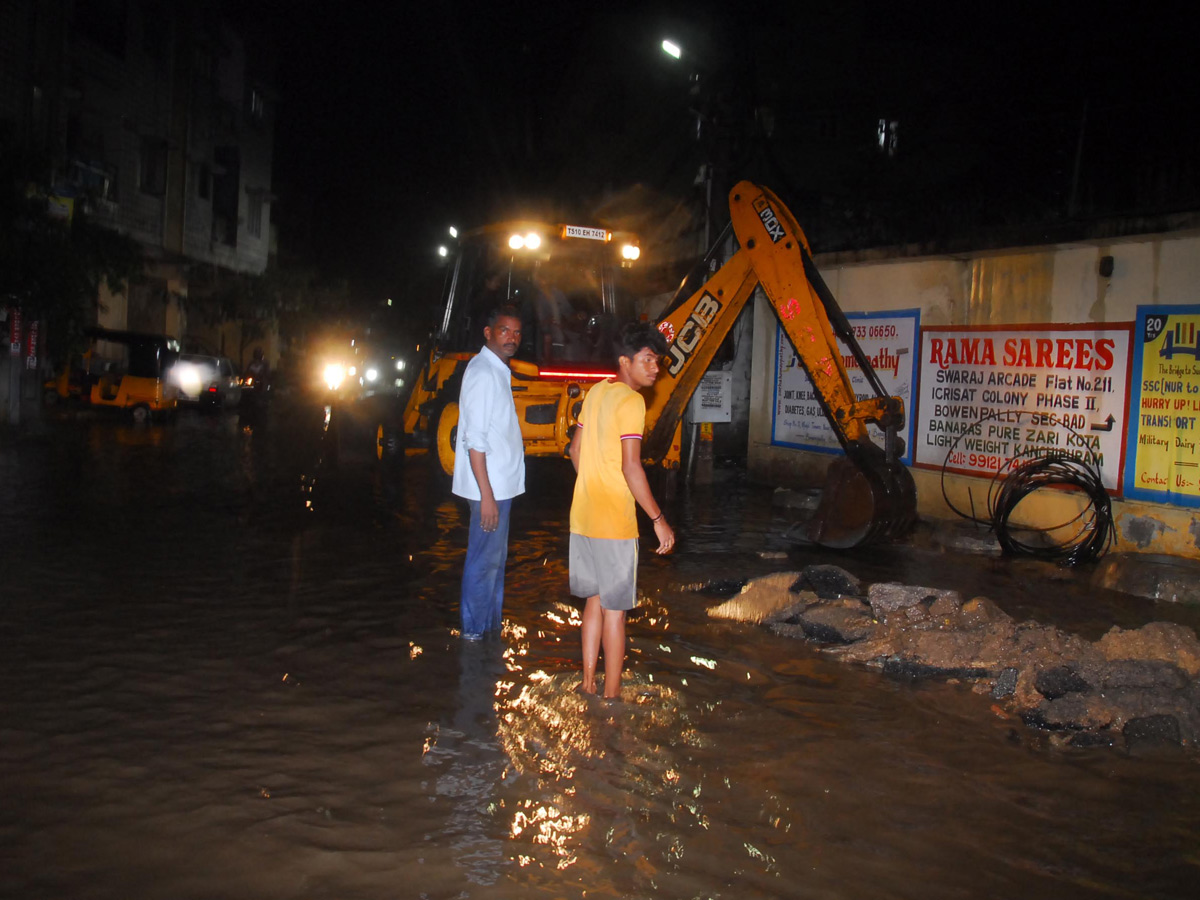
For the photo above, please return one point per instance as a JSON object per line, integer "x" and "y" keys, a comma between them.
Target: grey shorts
{"x": 605, "y": 567}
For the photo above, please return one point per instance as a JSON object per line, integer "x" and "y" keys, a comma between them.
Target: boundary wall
{"x": 1088, "y": 348}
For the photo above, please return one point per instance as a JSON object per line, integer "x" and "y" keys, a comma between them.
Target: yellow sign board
{"x": 1161, "y": 460}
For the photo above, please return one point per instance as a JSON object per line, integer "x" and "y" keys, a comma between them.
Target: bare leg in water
{"x": 603, "y": 627}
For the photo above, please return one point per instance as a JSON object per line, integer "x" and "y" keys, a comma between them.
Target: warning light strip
{"x": 554, "y": 373}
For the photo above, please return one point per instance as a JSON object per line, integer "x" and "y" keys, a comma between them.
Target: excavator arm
{"x": 869, "y": 495}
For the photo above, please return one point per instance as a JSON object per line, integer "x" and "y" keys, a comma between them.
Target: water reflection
{"x": 474, "y": 764}
{"x": 396, "y": 760}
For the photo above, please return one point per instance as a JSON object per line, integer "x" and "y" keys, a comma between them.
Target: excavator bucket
{"x": 866, "y": 500}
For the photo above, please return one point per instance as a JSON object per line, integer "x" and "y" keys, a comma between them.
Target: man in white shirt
{"x": 489, "y": 470}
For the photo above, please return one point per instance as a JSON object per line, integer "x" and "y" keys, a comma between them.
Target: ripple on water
{"x": 263, "y": 695}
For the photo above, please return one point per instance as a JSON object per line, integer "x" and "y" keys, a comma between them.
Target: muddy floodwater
{"x": 229, "y": 670}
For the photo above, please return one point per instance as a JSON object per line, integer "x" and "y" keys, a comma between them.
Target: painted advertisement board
{"x": 1162, "y": 463}
{"x": 990, "y": 394}
{"x": 889, "y": 341}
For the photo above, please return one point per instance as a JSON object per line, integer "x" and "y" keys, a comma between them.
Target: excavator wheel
{"x": 867, "y": 502}
{"x": 445, "y": 436}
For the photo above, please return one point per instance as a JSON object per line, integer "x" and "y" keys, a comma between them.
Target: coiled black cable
{"x": 1090, "y": 531}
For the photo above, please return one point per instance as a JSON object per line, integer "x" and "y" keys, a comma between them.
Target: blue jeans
{"x": 483, "y": 572}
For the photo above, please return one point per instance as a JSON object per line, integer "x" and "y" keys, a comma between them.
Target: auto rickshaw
{"x": 124, "y": 370}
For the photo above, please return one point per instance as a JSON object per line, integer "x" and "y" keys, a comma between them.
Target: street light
{"x": 442, "y": 251}
{"x": 453, "y": 232}
{"x": 702, "y": 134}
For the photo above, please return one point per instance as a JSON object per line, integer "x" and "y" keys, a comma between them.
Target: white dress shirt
{"x": 487, "y": 422}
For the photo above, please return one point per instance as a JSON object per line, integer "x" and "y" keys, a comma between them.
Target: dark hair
{"x": 506, "y": 309}
{"x": 637, "y": 336}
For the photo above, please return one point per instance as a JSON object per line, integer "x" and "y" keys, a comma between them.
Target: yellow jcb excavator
{"x": 869, "y": 495}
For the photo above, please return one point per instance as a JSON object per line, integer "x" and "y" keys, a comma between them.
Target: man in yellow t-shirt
{"x": 606, "y": 451}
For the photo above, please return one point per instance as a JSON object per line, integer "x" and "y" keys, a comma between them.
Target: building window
{"x": 94, "y": 179}
{"x": 254, "y": 214}
{"x": 257, "y": 105}
{"x": 152, "y": 166}
{"x": 203, "y": 65}
{"x": 226, "y": 177}
{"x": 827, "y": 127}
{"x": 103, "y": 23}
{"x": 886, "y": 136}
{"x": 155, "y": 29}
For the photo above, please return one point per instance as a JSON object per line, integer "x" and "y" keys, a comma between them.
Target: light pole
{"x": 675, "y": 51}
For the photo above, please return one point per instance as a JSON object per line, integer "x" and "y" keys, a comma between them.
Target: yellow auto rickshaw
{"x": 124, "y": 370}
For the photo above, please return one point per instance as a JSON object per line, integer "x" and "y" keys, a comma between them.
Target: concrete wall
{"x": 1021, "y": 286}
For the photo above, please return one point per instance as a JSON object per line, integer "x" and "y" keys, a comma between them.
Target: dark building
{"x": 154, "y": 118}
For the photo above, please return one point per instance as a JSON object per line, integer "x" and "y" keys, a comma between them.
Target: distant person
{"x": 493, "y": 293}
{"x": 489, "y": 470}
{"x": 489, "y": 294}
{"x": 606, "y": 451}
{"x": 553, "y": 312}
{"x": 258, "y": 368}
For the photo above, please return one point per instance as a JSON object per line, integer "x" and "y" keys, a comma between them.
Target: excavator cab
{"x": 568, "y": 284}
{"x": 869, "y": 495}
{"x": 565, "y": 281}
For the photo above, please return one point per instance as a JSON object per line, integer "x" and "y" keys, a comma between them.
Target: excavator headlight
{"x": 530, "y": 241}
{"x": 334, "y": 376}
{"x": 630, "y": 252}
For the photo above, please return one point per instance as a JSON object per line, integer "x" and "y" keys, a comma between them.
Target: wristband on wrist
{"x": 656, "y": 519}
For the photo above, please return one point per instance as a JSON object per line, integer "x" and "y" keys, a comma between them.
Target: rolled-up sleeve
{"x": 476, "y": 399}
{"x": 488, "y": 424}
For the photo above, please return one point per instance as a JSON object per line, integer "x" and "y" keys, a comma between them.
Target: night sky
{"x": 398, "y": 119}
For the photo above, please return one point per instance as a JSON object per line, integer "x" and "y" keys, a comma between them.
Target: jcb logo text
{"x": 691, "y": 332}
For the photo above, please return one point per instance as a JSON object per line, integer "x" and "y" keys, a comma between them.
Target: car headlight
{"x": 371, "y": 374}
{"x": 334, "y": 376}
{"x": 188, "y": 378}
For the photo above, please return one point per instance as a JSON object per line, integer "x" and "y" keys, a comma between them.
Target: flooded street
{"x": 232, "y": 671}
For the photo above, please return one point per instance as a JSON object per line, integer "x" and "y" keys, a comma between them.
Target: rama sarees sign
{"x": 991, "y": 395}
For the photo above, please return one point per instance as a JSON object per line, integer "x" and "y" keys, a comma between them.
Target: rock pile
{"x": 1130, "y": 686}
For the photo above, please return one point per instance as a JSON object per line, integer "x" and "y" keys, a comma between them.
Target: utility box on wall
{"x": 713, "y": 400}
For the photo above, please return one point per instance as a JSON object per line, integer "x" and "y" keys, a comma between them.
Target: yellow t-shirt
{"x": 603, "y": 506}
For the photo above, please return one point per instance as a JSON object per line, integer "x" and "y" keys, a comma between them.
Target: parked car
{"x": 206, "y": 380}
